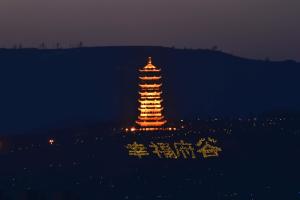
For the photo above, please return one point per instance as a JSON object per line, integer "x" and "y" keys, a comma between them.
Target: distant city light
{"x": 51, "y": 141}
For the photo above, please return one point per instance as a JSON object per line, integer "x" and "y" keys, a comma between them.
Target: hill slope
{"x": 45, "y": 88}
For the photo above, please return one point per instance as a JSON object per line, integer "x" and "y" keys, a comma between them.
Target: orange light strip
{"x": 151, "y": 110}
{"x": 150, "y": 118}
{"x": 134, "y": 129}
{"x": 150, "y": 98}
{"x": 150, "y": 101}
{"x": 149, "y": 70}
{"x": 151, "y": 124}
{"x": 150, "y": 85}
{"x": 150, "y": 115}
{"x": 145, "y": 78}
{"x": 150, "y": 106}
{"x": 150, "y": 93}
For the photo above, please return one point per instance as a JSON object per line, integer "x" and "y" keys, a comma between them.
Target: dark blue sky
{"x": 249, "y": 28}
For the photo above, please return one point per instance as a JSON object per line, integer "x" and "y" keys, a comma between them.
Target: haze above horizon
{"x": 252, "y": 29}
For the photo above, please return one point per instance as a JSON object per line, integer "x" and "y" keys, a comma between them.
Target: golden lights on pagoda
{"x": 150, "y": 98}
{"x": 151, "y": 116}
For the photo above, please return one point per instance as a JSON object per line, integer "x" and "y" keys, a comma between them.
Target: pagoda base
{"x": 146, "y": 129}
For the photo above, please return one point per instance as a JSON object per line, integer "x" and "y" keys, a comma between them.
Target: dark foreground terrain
{"x": 259, "y": 160}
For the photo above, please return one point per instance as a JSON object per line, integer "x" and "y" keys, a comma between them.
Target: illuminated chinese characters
{"x": 179, "y": 149}
{"x": 138, "y": 150}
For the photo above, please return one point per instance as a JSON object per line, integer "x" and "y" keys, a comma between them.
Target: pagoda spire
{"x": 149, "y": 60}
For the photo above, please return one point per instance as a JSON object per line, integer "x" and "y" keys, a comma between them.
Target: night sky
{"x": 249, "y": 28}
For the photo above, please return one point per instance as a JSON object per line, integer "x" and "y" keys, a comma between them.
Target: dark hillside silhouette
{"x": 48, "y": 88}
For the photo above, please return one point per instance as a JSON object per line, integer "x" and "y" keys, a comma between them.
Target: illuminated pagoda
{"x": 151, "y": 116}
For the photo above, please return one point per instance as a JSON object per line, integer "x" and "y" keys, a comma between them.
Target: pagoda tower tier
{"x": 150, "y": 100}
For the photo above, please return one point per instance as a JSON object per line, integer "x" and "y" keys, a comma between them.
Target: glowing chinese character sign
{"x": 178, "y": 149}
